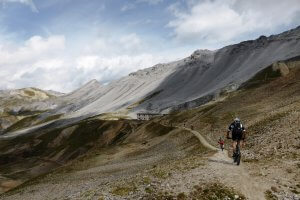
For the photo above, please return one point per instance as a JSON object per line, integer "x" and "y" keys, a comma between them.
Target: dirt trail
{"x": 202, "y": 140}
{"x": 232, "y": 175}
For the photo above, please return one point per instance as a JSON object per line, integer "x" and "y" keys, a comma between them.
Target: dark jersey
{"x": 236, "y": 128}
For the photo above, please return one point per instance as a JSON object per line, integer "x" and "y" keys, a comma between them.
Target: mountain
{"x": 20, "y": 103}
{"x": 188, "y": 82}
{"x": 55, "y": 93}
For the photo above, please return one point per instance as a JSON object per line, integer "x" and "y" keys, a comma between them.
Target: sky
{"x": 62, "y": 44}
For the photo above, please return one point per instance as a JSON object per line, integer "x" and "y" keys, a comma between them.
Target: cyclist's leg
{"x": 241, "y": 142}
{"x": 234, "y": 143}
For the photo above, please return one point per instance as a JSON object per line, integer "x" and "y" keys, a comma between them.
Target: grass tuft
{"x": 29, "y": 93}
{"x": 270, "y": 196}
{"x": 213, "y": 191}
{"x": 123, "y": 190}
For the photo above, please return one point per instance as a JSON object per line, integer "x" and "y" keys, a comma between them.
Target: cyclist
{"x": 221, "y": 143}
{"x": 238, "y": 134}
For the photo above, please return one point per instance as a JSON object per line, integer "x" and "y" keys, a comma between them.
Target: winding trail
{"x": 232, "y": 175}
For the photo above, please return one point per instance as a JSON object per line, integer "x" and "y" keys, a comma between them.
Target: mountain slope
{"x": 196, "y": 79}
{"x": 157, "y": 160}
{"x": 18, "y": 104}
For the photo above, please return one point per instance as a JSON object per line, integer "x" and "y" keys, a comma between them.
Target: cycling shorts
{"x": 236, "y": 137}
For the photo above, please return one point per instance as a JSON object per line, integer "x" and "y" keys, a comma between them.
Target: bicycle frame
{"x": 237, "y": 152}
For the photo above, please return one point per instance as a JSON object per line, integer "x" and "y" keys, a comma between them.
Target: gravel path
{"x": 232, "y": 175}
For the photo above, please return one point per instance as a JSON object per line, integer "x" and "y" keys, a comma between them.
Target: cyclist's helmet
{"x": 237, "y": 120}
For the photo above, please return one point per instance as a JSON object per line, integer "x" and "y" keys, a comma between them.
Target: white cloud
{"x": 106, "y": 68}
{"x": 35, "y": 47}
{"x": 35, "y": 53}
{"x": 29, "y": 3}
{"x": 115, "y": 45}
{"x": 131, "y": 42}
{"x": 222, "y": 21}
{"x": 48, "y": 63}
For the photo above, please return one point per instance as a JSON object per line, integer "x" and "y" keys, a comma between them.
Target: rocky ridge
{"x": 203, "y": 75}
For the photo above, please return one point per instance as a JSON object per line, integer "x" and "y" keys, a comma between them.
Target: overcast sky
{"x": 62, "y": 44}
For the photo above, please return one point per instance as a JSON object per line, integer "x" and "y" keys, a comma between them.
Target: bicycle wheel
{"x": 238, "y": 154}
{"x": 238, "y": 159}
{"x": 234, "y": 157}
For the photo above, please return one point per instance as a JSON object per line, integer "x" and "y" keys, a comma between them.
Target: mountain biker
{"x": 238, "y": 133}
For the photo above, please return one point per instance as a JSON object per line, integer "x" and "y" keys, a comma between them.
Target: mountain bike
{"x": 237, "y": 154}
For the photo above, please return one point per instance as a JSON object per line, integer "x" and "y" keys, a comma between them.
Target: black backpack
{"x": 238, "y": 128}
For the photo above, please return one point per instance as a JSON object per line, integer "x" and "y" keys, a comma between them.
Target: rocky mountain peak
{"x": 204, "y": 55}
{"x": 92, "y": 82}
{"x": 86, "y": 88}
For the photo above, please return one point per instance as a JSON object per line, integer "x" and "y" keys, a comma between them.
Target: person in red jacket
{"x": 221, "y": 143}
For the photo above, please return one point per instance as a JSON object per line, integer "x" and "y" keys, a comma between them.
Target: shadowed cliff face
{"x": 229, "y": 66}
